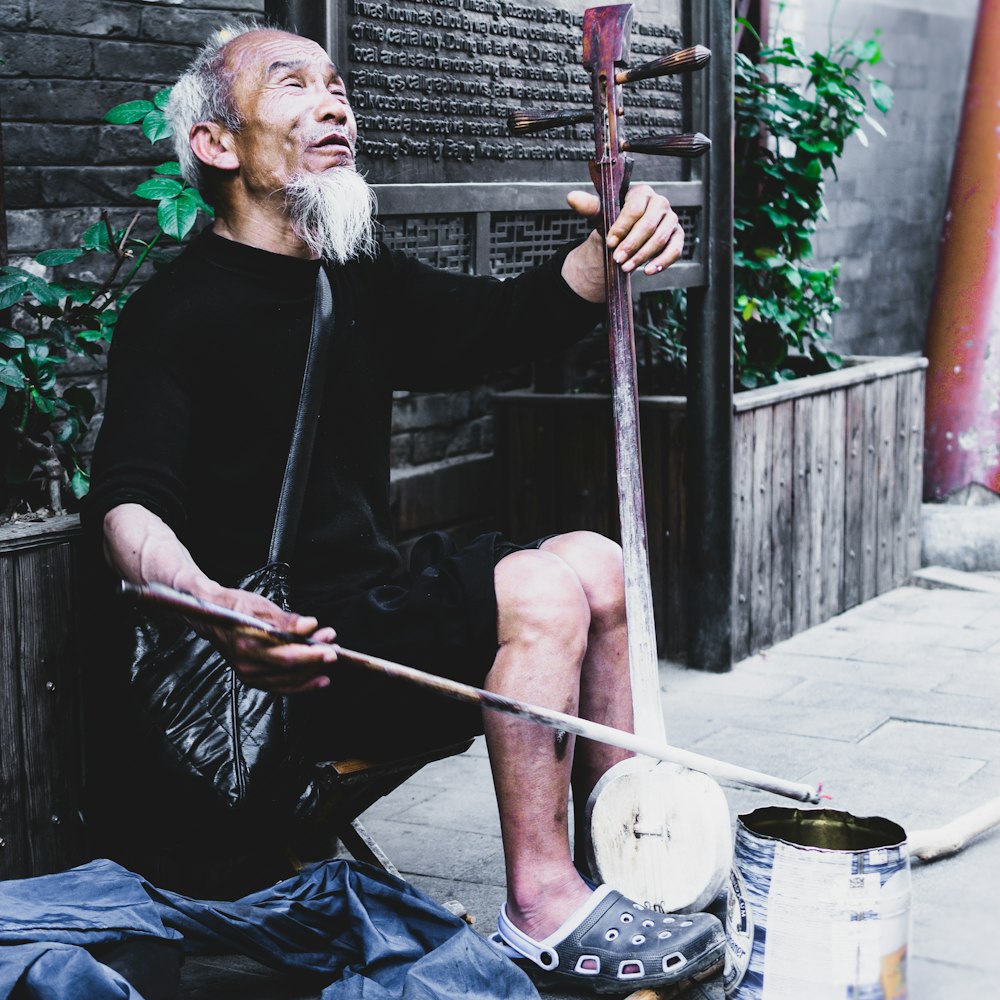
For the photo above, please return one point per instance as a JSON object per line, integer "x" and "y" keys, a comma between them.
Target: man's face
{"x": 294, "y": 107}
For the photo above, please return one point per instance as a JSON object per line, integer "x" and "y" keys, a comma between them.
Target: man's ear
{"x": 214, "y": 146}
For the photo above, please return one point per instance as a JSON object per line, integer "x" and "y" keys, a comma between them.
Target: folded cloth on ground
{"x": 371, "y": 936}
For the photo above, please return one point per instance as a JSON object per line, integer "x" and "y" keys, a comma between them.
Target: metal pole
{"x": 708, "y": 458}
{"x": 963, "y": 337}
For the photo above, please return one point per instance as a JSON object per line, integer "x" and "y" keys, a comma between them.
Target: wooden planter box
{"x": 827, "y": 480}
{"x": 41, "y": 770}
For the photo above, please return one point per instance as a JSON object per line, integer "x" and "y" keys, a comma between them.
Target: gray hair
{"x": 204, "y": 93}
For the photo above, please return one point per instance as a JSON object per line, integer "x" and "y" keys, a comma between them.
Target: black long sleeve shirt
{"x": 205, "y": 375}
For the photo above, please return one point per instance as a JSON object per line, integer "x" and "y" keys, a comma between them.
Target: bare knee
{"x": 597, "y": 563}
{"x": 540, "y": 600}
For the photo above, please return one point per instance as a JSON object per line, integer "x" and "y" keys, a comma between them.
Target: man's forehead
{"x": 259, "y": 54}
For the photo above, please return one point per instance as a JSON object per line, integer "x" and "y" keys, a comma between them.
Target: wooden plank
{"x": 819, "y": 483}
{"x": 583, "y": 475}
{"x": 528, "y": 466}
{"x": 743, "y": 431}
{"x": 833, "y": 533}
{"x": 869, "y": 494}
{"x": 760, "y": 528}
{"x": 854, "y": 486}
{"x": 25, "y": 534}
{"x": 884, "y": 547}
{"x": 917, "y": 388}
{"x": 855, "y": 370}
{"x": 802, "y": 515}
{"x": 783, "y": 477}
{"x": 50, "y": 707}
{"x": 451, "y": 491}
{"x": 674, "y": 591}
{"x": 14, "y": 855}
{"x": 901, "y": 481}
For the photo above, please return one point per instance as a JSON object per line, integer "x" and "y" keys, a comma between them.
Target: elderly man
{"x": 204, "y": 381}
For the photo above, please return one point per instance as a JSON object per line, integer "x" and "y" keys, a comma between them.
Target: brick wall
{"x": 887, "y": 208}
{"x": 66, "y": 62}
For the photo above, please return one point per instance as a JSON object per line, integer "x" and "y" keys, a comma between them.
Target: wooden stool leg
{"x": 363, "y": 847}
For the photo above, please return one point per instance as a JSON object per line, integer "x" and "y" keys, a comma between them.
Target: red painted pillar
{"x": 962, "y": 443}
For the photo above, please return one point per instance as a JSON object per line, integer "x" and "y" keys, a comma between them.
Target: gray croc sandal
{"x": 613, "y": 945}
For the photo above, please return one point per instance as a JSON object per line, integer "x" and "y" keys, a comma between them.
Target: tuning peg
{"x": 687, "y": 145}
{"x": 685, "y": 61}
{"x": 522, "y": 122}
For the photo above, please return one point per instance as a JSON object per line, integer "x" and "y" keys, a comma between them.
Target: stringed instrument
{"x": 658, "y": 832}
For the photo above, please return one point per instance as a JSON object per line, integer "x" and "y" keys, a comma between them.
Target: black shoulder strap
{"x": 300, "y": 451}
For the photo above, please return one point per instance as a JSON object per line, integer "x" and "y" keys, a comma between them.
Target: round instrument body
{"x": 660, "y": 834}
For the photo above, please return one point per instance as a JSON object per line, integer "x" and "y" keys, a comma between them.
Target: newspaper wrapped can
{"x": 819, "y": 907}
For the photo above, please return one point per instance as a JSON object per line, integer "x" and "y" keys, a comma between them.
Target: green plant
{"x": 42, "y": 420}
{"x": 793, "y": 115}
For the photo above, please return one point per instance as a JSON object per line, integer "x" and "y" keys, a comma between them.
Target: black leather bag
{"x": 229, "y": 744}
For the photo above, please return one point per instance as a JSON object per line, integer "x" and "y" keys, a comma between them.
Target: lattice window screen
{"x": 443, "y": 241}
{"x": 519, "y": 240}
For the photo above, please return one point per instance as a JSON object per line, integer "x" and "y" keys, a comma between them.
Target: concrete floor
{"x": 894, "y": 706}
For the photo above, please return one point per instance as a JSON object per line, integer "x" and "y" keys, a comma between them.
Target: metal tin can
{"x": 819, "y": 907}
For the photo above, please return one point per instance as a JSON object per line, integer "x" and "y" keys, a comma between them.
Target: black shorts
{"x": 440, "y": 617}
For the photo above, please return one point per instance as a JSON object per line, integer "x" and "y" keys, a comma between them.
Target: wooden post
{"x": 708, "y": 470}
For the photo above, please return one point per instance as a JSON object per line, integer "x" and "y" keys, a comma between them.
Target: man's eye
{"x": 291, "y": 82}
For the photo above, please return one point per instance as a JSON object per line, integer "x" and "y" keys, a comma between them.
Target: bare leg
{"x": 605, "y": 691}
{"x": 561, "y": 629}
{"x": 542, "y": 622}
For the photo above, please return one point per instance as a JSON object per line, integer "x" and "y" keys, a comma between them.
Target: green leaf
{"x": 862, "y": 138}
{"x": 96, "y": 237}
{"x": 11, "y": 339}
{"x": 67, "y": 431}
{"x": 171, "y": 168}
{"x": 162, "y": 98}
{"x": 82, "y": 400}
{"x": 11, "y": 294}
{"x": 52, "y": 258}
{"x": 155, "y": 126}
{"x": 202, "y": 204}
{"x": 128, "y": 113}
{"x": 39, "y": 287}
{"x": 91, "y": 336}
{"x": 177, "y": 215}
{"x": 159, "y": 187}
{"x": 874, "y": 124}
{"x": 882, "y": 95}
{"x": 80, "y": 483}
{"x": 11, "y": 375}
{"x": 3, "y": 395}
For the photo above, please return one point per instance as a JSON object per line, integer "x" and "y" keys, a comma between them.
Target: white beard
{"x": 333, "y": 213}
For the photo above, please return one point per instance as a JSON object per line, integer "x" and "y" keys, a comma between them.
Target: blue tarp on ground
{"x": 372, "y": 936}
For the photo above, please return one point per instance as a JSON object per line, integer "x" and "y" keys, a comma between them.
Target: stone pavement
{"x": 894, "y": 706}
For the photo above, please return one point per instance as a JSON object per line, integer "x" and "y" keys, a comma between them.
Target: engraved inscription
{"x": 433, "y": 81}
